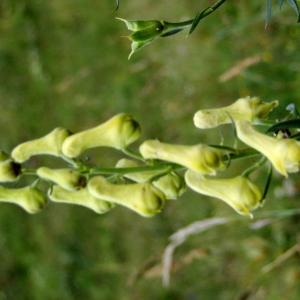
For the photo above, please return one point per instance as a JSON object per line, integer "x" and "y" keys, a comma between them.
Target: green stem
{"x": 109, "y": 171}
{"x": 254, "y": 167}
{"x": 133, "y": 154}
{"x": 30, "y": 172}
{"x": 204, "y": 13}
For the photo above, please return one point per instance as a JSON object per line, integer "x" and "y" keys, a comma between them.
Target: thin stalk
{"x": 254, "y": 167}
{"x": 133, "y": 154}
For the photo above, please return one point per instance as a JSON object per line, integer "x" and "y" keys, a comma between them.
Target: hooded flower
{"x": 50, "y": 144}
{"x": 68, "y": 179}
{"x": 143, "y": 198}
{"x": 9, "y": 170}
{"x": 81, "y": 197}
{"x": 29, "y": 198}
{"x": 199, "y": 158}
{"x": 118, "y": 132}
{"x": 248, "y": 108}
{"x": 284, "y": 154}
{"x": 144, "y": 32}
{"x": 238, "y": 192}
{"x": 171, "y": 184}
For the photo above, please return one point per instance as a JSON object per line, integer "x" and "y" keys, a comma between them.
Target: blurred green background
{"x": 64, "y": 63}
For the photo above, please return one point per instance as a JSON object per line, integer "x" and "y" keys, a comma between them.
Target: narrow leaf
{"x": 268, "y": 183}
{"x": 268, "y": 12}
{"x": 295, "y": 6}
{"x": 284, "y": 125}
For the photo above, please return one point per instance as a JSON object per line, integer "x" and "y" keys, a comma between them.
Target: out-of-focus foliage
{"x": 65, "y": 63}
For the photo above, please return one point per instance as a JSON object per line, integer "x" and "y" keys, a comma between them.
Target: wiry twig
{"x": 180, "y": 237}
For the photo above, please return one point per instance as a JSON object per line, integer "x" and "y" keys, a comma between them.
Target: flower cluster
{"x": 159, "y": 172}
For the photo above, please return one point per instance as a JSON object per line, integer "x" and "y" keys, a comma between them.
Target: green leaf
{"x": 268, "y": 183}
{"x": 268, "y": 12}
{"x": 295, "y": 6}
{"x": 280, "y": 2}
{"x": 284, "y": 125}
{"x": 117, "y": 4}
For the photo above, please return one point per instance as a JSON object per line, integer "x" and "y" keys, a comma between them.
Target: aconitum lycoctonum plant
{"x": 146, "y": 180}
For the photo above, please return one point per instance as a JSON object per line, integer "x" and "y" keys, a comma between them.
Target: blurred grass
{"x": 64, "y": 63}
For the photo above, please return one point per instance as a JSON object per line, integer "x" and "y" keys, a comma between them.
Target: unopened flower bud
{"x": 29, "y": 198}
{"x": 171, "y": 184}
{"x": 49, "y": 144}
{"x": 118, "y": 132}
{"x": 81, "y": 197}
{"x": 238, "y": 192}
{"x": 284, "y": 154}
{"x": 199, "y": 158}
{"x": 248, "y": 108}
{"x": 143, "y": 198}
{"x": 144, "y": 32}
{"x": 68, "y": 179}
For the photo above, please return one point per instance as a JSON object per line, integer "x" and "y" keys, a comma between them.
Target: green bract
{"x": 248, "y": 108}
{"x": 81, "y": 197}
{"x": 118, "y": 132}
{"x": 238, "y": 192}
{"x": 199, "y": 158}
{"x": 50, "y": 144}
{"x": 143, "y": 198}
{"x": 29, "y": 198}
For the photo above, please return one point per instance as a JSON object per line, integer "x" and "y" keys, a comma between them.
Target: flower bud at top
{"x": 171, "y": 184}
{"x": 81, "y": 197}
{"x": 29, "y": 198}
{"x": 199, "y": 158}
{"x": 144, "y": 32}
{"x": 118, "y": 132}
{"x": 248, "y": 108}
{"x": 238, "y": 192}
{"x": 284, "y": 154}
{"x": 143, "y": 198}
{"x": 68, "y": 179}
{"x": 9, "y": 171}
{"x": 49, "y": 144}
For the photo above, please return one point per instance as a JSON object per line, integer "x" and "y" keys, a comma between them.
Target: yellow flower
{"x": 68, "y": 179}
{"x": 248, "y": 108}
{"x": 171, "y": 184}
{"x": 81, "y": 197}
{"x": 50, "y": 144}
{"x": 284, "y": 154}
{"x": 199, "y": 158}
{"x": 29, "y": 198}
{"x": 142, "y": 198}
{"x": 238, "y": 192}
{"x": 118, "y": 132}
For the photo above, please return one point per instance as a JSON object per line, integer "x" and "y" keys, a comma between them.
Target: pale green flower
{"x": 66, "y": 178}
{"x": 118, "y": 132}
{"x": 171, "y": 184}
{"x": 143, "y": 198}
{"x": 284, "y": 154}
{"x": 80, "y": 197}
{"x": 29, "y": 198}
{"x": 50, "y": 144}
{"x": 238, "y": 192}
{"x": 199, "y": 158}
{"x": 248, "y": 108}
